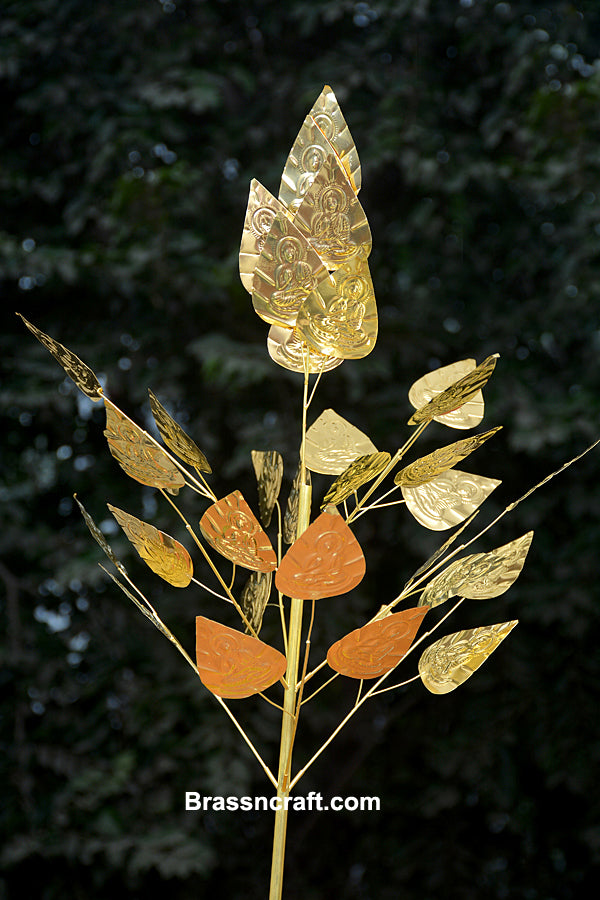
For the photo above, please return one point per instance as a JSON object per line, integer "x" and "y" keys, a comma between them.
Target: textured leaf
{"x": 431, "y": 385}
{"x": 456, "y": 394}
{"x": 359, "y": 472}
{"x": 230, "y": 526}
{"x": 254, "y": 598}
{"x": 290, "y": 520}
{"x": 268, "y": 468}
{"x": 288, "y": 349}
{"x": 332, "y": 443}
{"x": 99, "y": 537}
{"x": 426, "y": 468}
{"x": 77, "y": 370}
{"x": 260, "y": 212}
{"x": 448, "y": 499}
{"x": 327, "y": 113}
{"x": 176, "y": 439}
{"x": 138, "y": 455}
{"x": 376, "y": 648}
{"x": 162, "y": 553}
{"x": 447, "y": 663}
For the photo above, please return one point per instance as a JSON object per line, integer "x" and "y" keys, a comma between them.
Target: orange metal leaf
{"x": 234, "y": 665}
{"x": 374, "y": 649}
{"x": 138, "y": 454}
{"x": 325, "y": 561}
{"x": 233, "y": 530}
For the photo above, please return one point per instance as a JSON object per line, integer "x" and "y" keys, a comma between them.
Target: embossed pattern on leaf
{"x": 176, "y": 439}
{"x": 138, "y": 455}
{"x": 77, "y": 370}
{"x": 254, "y": 598}
{"x": 456, "y": 394}
{"x": 290, "y": 520}
{"x": 268, "y": 468}
{"x": 288, "y": 349}
{"x": 480, "y": 575}
{"x": 447, "y": 663}
{"x": 433, "y": 383}
{"x": 99, "y": 537}
{"x": 376, "y": 648}
{"x": 448, "y": 499}
{"x": 332, "y": 443}
{"x": 235, "y": 665}
{"x": 359, "y": 472}
{"x": 309, "y": 151}
{"x": 326, "y": 560}
{"x": 260, "y": 212}
{"x": 162, "y": 553}
{"x": 426, "y": 468}
{"x": 327, "y": 113}
{"x": 230, "y": 526}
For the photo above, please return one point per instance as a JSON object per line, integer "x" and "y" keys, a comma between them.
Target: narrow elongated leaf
{"x": 162, "y": 553}
{"x": 426, "y": 468}
{"x": 290, "y": 520}
{"x": 99, "y": 537}
{"x": 359, "y": 472}
{"x": 429, "y": 386}
{"x": 254, "y": 598}
{"x": 447, "y": 663}
{"x": 77, "y": 370}
{"x": 456, "y": 394}
{"x": 268, "y": 467}
{"x": 176, "y": 439}
{"x": 448, "y": 499}
{"x": 376, "y": 648}
{"x": 332, "y": 443}
{"x": 138, "y": 455}
{"x": 233, "y": 530}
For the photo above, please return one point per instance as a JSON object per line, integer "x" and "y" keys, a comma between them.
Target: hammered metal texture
{"x": 325, "y": 561}
{"x": 77, "y": 370}
{"x": 176, "y": 439}
{"x": 480, "y": 575}
{"x": 287, "y": 348}
{"x": 429, "y": 386}
{"x": 162, "y": 553}
{"x": 340, "y": 317}
{"x": 332, "y": 443}
{"x": 426, "y": 468}
{"x": 448, "y": 499}
{"x": 260, "y": 212}
{"x": 309, "y": 151}
{"x": 362, "y": 470}
{"x": 376, "y": 648}
{"x": 254, "y": 598}
{"x": 230, "y": 526}
{"x": 138, "y": 455}
{"x": 268, "y": 468}
{"x": 234, "y": 665}
{"x": 456, "y": 394}
{"x": 290, "y": 520}
{"x": 447, "y": 663}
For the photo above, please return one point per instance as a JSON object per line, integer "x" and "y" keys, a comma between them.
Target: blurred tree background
{"x": 131, "y": 131}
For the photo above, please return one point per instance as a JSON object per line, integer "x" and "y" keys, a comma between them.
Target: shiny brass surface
{"x": 260, "y": 212}
{"x": 176, "y": 439}
{"x": 268, "y": 468}
{"x": 448, "y": 499}
{"x": 433, "y": 383}
{"x": 426, "y": 468}
{"x": 453, "y": 397}
{"x": 309, "y": 151}
{"x": 290, "y": 520}
{"x": 77, "y": 370}
{"x": 99, "y": 537}
{"x": 138, "y": 455}
{"x": 254, "y": 598}
{"x": 326, "y": 112}
{"x": 447, "y": 663}
{"x": 287, "y": 348}
{"x": 162, "y": 553}
{"x": 332, "y": 443}
{"x": 359, "y": 472}
{"x": 230, "y": 526}
{"x": 376, "y": 648}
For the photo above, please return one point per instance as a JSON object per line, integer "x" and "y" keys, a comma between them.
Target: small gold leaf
{"x": 433, "y": 383}
{"x": 326, "y": 112}
{"x": 261, "y": 210}
{"x": 254, "y": 598}
{"x": 77, "y": 370}
{"x": 359, "y": 472}
{"x": 99, "y": 537}
{"x": 456, "y": 394}
{"x": 426, "y": 468}
{"x": 287, "y": 348}
{"x": 447, "y": 499}
{"x": 162, "y": 553}
{"x": 447, "y": 663}
{"x": 290, "y": 520}
{"x": 332, "y": 443}
{"x": 480, "y": 575}
{"x": 176, "y": 439}
{"x": 138, "y": 455}
{"x": 268, "y": 467}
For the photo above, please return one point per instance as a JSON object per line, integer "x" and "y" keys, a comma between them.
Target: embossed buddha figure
{"x": 261, "y": 225}
{"x": 331, "y": 227}
{"x": 342, "y": 323}
{"x": 293, "y": 275}
{"x": 312, "y": 160}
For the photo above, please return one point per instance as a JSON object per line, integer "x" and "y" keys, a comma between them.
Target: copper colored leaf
{"x": 162, "y": 553}
{"x": 99, "y": 537}
{"x": 426, "y": 468}
{"x": 326, "y": 560}
{"x": 433, "y": 383}
{"x": 447, "y": 663}
{"x": 290, "y": 520}
{"x": 138, "y": 454}
{"x": 448, "y": 499}
{"x": 376, "y": 648}
{"x": 456, "y": 394}
{"x": 77, "y": 370}
{"x": 233, "y": 530}
{"x": 254, "y": 598}
{"x": 176, "y": 439}
{"x": 235, "y": 665}
{"x": 332, "y": 443}
{"x": 359, "y": 472}
{"x": 268, "y": 468}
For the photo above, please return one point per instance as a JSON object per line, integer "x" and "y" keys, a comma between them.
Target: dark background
{"x": 130, "y": 133}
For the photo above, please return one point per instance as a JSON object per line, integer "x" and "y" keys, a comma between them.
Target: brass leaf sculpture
{"x": 290, "y": 520}
{"x": 433, "y": 383}
{"x": 99, "y": 537}
{"x": 235, "y": 665}
{"x": 77, "y": 370}
{"x": 268, "y": 467}
{"x": 162, "y": 553}
{"x": 230, "y": 526}
{"x": 339, "y": 317}
{"x": 326, "y": 112}
{"x": 359, "y": 472}
{"x": 309, "y": 151}
{"x": 456, "y": 394}
{"x": 332, "y": 443}
{"x": 176, "y": 439}
{"x": 138, "y": 455}
{"x": 447, "y": 663}
{"x": 448, "y": 499}
{"x": 261, "y": 210}
{"x": 287, "y": 348}
{"x": 426, "y": 468}
{"x": 326, "y": 560}
{"x": 480, "y": 575}
{"x": 376, "y": 648}
{"x": 254, "y": 598}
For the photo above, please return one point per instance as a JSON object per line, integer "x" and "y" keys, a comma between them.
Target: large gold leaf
{"x": 288, "y": 349}
{"x": 77, "y": 370}
{"x": 447, "y": 499}
{"x": 447, "y": 663}
{"x": 162, "y": 553}
{"x": 138, "y": 455}
{"x": 290, "y": 520}
{"x": 359, "y": 472}
{"x": 433, "y": 383}
{"x": 268, "y": 468}
{"x": 480, "y": 575}
{"x": 456, "y": 394}
{"x": 332, "y": 443}
{"x": 261, "y": 210}
{"x": 309, "y": 151}
{"x": 426, "y": 468}
{"x": 254, "y": 599}
{"x": 176, "y": 439}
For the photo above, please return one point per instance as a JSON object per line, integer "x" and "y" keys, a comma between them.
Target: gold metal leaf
{"x": 268, "y": 467}
{"x": 359, "y": 472}
{"x": 433, "y": 383}
{"x": 309, "y": 151}
{"x": 448, "y": 499}
{"x": 162, "y": 553}
{"x": 456, "y": 394}
{"x": 327, "y": 114}
{"x": 447, "y": 663}
{"x": 332, "y": 443}
{"x": 426, "y": 468}
{"x": 288, "y": 269}
{"x": 176, "y": 439}
{"x": 261, "y": 210}
{"x": 77, "y": 370}
{"x": 287, "y": 348}
{"x": 138, "y": 455}
{"x": 230, "y": 526}
{"x": 254, "y": 598}
{"x": 340, "y": 316}
{"x": 99, "y": 537}
{"x": 480, "y": 575}
{"x": 333, "y": 217}
{"x": 290, "y": 520}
